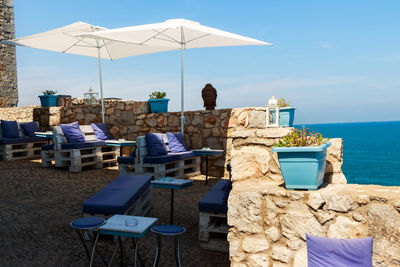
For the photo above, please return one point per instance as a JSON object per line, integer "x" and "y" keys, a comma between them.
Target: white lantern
{"x": 272, "y": 113}
{"x": 91, "y": 97}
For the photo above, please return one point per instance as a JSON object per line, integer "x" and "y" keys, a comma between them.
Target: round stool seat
{"x": 87, "y": 223}
{"x": 167, "y": 229}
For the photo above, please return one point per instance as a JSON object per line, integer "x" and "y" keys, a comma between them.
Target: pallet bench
{"x": 213, "y": 226}
{"x": 23, "y": 147}
{"x": 78, "y": 155}
{"x": 176, "y": 165}
{"x": 127, "y": 194}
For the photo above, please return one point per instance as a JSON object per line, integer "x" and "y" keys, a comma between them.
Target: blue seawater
{"x": 371, "y": 150}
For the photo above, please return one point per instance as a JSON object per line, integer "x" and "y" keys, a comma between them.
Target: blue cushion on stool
{"x": 88, "y": 223}
{"x": 168, "y": 229}
{"x": 48, "y": 147}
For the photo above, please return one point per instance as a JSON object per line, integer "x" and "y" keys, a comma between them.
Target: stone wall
{"x": 8, "y": 64}
{"x": 20, "y": 114}
{"x": 268, "y": 223}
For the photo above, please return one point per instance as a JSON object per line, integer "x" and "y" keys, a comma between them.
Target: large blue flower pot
{"x": 158, "y": 105}
{"x": 286, "y": 116}
{"x": 302, "y": 167}
{"x": 48, "y": 100}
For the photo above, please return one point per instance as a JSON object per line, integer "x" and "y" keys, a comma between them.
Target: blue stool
{"x": 167, "y": 230}
{"x": 88, "y": 224}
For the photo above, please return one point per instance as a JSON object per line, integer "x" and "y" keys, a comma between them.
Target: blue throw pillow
{"x": 339, "y": 252}
{"x": 101, "y": 131}
{"x": 30, "y": 128}
{"x": 10, "y": 129}
{"x": 176, "y": 142}
{"x": 155, "y": 144}
{"x": 73, "y": 133}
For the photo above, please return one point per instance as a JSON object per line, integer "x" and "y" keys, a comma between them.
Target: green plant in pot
{"x": 158, "y": 103}
{"x": 286, "y": 113}
{"x": 49, "y": 98}
{"x": 302, "y": 158}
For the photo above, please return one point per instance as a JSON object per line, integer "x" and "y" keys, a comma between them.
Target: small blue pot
{"x": 48, "y": 100}
{"x": 302, "y": 167}
{"x": 158, "y": 105}
{"x": 286, "y": 116}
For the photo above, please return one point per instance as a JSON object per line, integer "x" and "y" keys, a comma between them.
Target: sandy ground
{"x": 37, "y": 205}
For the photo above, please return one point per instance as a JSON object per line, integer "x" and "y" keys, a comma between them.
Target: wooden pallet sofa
{"x": 162, "y": 155}
{"x": 127, "y": 194}
{"x": 213, "y": 225}
{"x": 77, "y": 146}
{"x": 18, "y": 140}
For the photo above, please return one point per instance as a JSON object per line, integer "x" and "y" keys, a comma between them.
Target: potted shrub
{"x": 158, "y": 103}
{"x": 302, "y": 159}
{"x": 286, "y": 113}
{"x": 48, "y": 99}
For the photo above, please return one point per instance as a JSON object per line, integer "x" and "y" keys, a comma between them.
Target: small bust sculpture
{"x": 209, "y": 95}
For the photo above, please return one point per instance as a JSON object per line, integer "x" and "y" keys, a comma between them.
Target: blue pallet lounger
{"x": 213, "y": 227}
{"x": 127, "y": 194}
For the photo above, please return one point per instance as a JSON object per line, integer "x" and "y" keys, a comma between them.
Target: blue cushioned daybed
{"x": 127, "y": 194}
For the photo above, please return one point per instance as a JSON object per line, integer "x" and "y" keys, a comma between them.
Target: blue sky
{"x": 335, "y": 61}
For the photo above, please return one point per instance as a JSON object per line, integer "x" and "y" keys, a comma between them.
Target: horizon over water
{"x": 371, "y": 150}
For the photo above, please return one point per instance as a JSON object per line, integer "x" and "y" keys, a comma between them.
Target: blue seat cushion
{"x": 30, "y": 128}
{"x": 101, "y": 131}
{"x": 72, "y": 132}
{"x": 10, "y": 129}
{"x": 88, "y": 223}
{"x": 155, "y": 144}
{"x": 323, "y": 251}
{"x": 216, "y": 199}
{"x": 83, "y": 145}
{"x": 126, "y": 160}
{"x": 21, "y": 140}
{"x": 167, "y": 229}
{"x": 176, "y": 142}
{"x": 170, "y": 157}
{"x": 118, "y": 196}
{"x": 48, "y": 147}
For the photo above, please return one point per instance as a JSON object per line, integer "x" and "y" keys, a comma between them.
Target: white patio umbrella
{"x": 68, "y": 39}
{"x": 177, "y": 34}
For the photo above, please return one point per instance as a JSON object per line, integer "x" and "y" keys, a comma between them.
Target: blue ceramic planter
{"x": 286, "y": 116}
{"x": 48, "y": 100}
{"x": 302, "y": 167}
{"x": 158, "y": 105}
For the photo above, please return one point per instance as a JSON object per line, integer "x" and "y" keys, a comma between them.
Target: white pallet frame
{"x": 175, "y": 169}
{"x": 78, "y": 158}
{"x": 21, "y": 150}
{"x": 47, "y": 158}
{"x": 213, "y": 231}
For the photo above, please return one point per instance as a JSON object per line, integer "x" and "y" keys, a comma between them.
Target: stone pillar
{"x": 8, "y": 64}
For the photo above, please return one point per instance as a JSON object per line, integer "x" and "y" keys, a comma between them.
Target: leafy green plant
{"x": 282, "y": 103}
{"x": 157, "y": 95}
{"x": 49, "y": 92}
{"x": 302, "y": 137}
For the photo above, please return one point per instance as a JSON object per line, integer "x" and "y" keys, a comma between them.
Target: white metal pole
{"x": 182, "y": 96}
{"x": 101, "y": 84}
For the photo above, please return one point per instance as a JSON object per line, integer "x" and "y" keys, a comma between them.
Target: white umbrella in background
{"x": 176, "y": 34}
{"x": 68, "y": 39}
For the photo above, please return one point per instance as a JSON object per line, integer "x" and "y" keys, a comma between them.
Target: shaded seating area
{"x": 18, "y": 140}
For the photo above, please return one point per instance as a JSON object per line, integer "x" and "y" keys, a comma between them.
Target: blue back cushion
{"x": 30, "y": 128}
{"x": 176, "y": 142}
{"x": 10, "y": 129}
{"x": 155, "y": 144}
{"x": 101, "y": 131}
{"x": 323, "y": 251}
{"x": 72, "y": 132}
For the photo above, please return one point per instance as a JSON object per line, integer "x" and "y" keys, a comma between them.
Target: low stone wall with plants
{"x": 20, "y": 114}
{"x": 269, "y": 223}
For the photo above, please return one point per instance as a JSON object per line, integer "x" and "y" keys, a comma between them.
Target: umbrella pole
{"x": 101, "y": 85}
{"x": 182, "y": 96}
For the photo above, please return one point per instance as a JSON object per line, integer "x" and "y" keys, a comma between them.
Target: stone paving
{"x": 37, "y": 205}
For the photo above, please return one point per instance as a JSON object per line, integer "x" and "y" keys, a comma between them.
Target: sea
{"x": 371, "y": 150}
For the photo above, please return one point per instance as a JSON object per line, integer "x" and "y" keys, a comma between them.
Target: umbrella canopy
{"x": 68, "y": 39}
{"x": 176, "y": 34}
